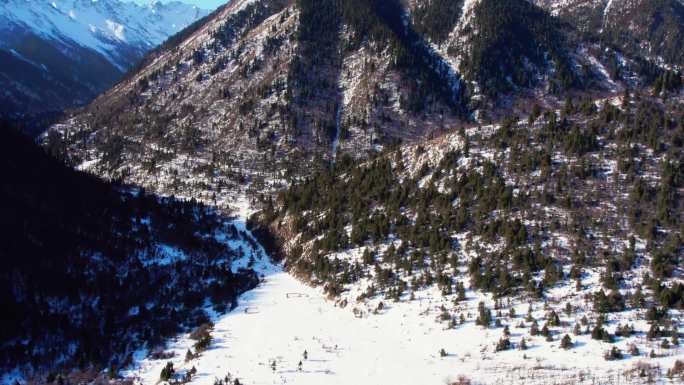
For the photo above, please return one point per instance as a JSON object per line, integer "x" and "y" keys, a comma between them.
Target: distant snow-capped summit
{"x": 70, "y": 50}
{"x": 101, "y": 25}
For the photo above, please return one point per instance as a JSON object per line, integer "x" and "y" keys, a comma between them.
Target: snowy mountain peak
{"x": 71, "y": 50}
{"x": 101, "y": 25}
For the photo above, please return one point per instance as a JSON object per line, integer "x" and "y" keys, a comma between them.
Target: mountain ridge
{"x": 243, "y": 80}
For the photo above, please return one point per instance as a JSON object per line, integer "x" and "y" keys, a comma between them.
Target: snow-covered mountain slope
{"x": 250, "y": 91}
{"x": 405, "y": 306}
{"x": 260, "y": 88}
{"x": 570, "y": 212}
{"x": 62, "y": 53}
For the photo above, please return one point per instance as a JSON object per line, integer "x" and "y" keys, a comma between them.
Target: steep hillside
{"x": 650, "y": 29}
{"x": 61, "y": 54}
{"x": 93, "y": 272}
{"x": 504, "y": 45}
{"x": 244, "y": 98}
{"x": 263, "y": 91}
{"x": 579, "y": 210}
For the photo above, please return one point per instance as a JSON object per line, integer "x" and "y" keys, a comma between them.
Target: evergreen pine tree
{"x": 167, "y": 372}
{"x": 566, "y": 342}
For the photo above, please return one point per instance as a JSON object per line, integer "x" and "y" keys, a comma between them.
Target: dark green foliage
{"x": 624, "y": 331}
{"x": 508, "y": 33}
{"x": 566, "y": 342}
{"x": 484, "y": 317}
{"x": 613, "y": 354}
{"x": 579, "y": 142}
{"x": 669, "y": 297}
{"x": 503, "y": 344}
{"x": 167, "y": 372}
{"x": 437, "y": 18}
{"x": 553, "y": 319}
{"x": 613, "y": 302}
{"x": 599, "y": 333}
{"x": 662, "y": 264}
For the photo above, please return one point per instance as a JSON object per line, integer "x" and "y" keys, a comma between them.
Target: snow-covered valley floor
{"x": 399, "y": 345}
{"x": 282, "y": 318}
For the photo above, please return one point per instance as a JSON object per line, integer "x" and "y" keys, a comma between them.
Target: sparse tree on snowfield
{"x": 577, "y": 330}
{"x": 529, "y": 317}
{"x": 613, "y": 354}
{"x": 503, "y": 344}
{"x": 534, "y": 329}
{"x": 167, "y": 372}
{"x": 485, "y": 315}
{"x": 566, "y": 342}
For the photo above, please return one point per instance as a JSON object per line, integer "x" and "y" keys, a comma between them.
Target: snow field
{"x": 280, "y": 319}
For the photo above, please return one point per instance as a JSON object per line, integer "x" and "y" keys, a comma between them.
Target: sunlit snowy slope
{"x": 394, "y": 343}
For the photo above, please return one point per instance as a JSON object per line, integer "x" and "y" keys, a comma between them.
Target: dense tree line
{"x": 658, "y": 21}
{"x": 509, "y": 36}
{"x": 437, "y": 18}
{"x": 556, "y": 159}
{"x": 381, "y": 24}
{"x": 87, "y": 276}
